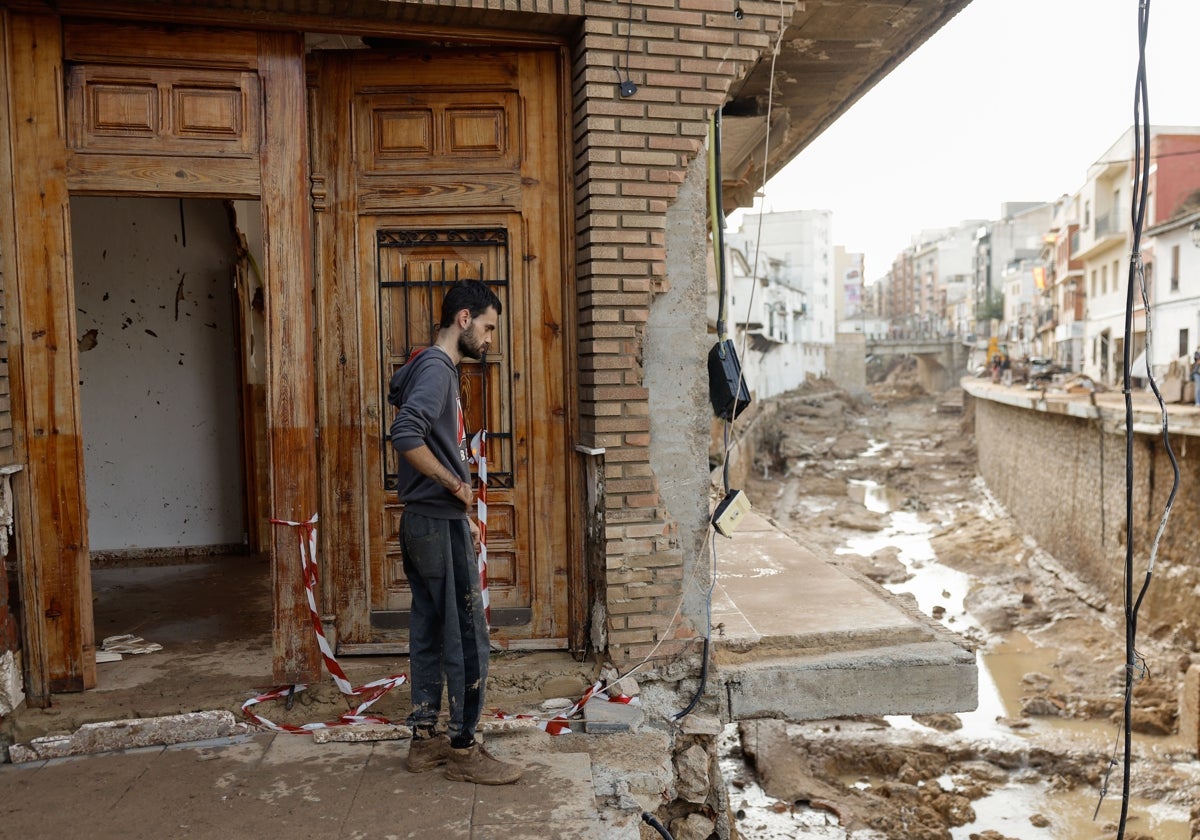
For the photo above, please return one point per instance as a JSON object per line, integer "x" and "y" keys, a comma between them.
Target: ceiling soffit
{"x": 832, "y": 52}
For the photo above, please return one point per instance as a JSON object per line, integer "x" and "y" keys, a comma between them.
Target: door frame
{"x": 348, "y": 408}
{"x": 42, "y": 166}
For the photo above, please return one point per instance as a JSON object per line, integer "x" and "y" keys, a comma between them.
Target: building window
{"x": 1093, "y": 282}
{"x": 1175, "y": 275}
{"x": 1183, "y": 342}
{"x": 1103, "y": 279}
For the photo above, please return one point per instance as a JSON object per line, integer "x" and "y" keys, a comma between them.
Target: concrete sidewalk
{"x": 280, "y": 785}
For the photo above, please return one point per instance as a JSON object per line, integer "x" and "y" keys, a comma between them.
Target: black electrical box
{"x": 727, "y": 390}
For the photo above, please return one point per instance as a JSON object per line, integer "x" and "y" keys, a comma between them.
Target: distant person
{"x": 448, "y": 635}
{"x": 1196, "y": 377}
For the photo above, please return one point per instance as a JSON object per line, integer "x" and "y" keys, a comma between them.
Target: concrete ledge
{"x": 924, "y": 678}
{"x": 115, "y": 735}
{"x": 1109, "y": 407}
{"x": 803, "y": 638}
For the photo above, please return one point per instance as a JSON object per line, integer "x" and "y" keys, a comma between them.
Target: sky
{"x": 1011, "y": 100}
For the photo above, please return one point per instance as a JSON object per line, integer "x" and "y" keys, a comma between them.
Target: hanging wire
{"x": 1134, "y": 662}
{"x": 718, "y": 233}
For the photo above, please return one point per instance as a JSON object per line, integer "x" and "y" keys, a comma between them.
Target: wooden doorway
{"x": 432, "y": 166}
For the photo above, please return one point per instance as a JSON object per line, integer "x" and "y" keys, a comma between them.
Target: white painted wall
{"x": 1178, "y": 309}
{"x": 159, "y": 388}
{"x": 781, "y": 367}
{"x": 802, "y": 240}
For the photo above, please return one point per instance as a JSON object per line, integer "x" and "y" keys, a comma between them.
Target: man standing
{"x": 448, "y": 636}
{"x": 1195, "y": 376}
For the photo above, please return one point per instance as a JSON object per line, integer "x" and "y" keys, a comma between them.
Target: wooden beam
{"x": 291, "y": 400}
{"x": 44, "y": 366}
{"x": 211, "y": 177}
{"x": 345, "y": 541}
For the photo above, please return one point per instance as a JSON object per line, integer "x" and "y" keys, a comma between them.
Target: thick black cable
{"x": 1141, "y": 140}
{"x": 652, "y": 821}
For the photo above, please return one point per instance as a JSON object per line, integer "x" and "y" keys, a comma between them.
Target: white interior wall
{"x": 158, "y": 372}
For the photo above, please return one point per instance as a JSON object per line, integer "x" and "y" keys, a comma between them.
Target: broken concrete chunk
{"x": 603, "y": 716}
{"x": 115, "y": 735}
{"x": 361, "y": 732}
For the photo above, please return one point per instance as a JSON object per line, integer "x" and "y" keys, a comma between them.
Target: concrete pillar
{"x": 1189, "y": 710}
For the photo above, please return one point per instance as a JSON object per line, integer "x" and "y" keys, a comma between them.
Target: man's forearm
{"x": 425, "y": 462}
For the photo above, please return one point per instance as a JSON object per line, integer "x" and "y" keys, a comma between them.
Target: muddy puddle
{"x": 1022, "y": 803}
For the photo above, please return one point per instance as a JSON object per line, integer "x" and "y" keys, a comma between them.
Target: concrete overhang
{"x": 803, "y": 638}
{"x": 832, "y": 52}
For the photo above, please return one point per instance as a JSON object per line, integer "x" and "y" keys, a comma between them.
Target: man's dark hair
{"x": 471, "y": 295}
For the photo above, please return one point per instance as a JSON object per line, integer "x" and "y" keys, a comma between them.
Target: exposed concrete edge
{"x": 113, "y": 735}
{"x": 927, "y": 678}
{"x": 922, "y": 628}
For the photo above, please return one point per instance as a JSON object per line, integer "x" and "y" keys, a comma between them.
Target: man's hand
{"x": 465, "y": 494}
{"x": 475, "y": 538}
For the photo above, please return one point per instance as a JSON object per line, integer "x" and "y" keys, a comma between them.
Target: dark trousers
{"x": 447, "y": 637}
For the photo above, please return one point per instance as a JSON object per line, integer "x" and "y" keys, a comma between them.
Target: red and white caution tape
{"x": 560, "y": 724}
{"x": 369, "y": 692}
{"x": 479, "y": 455}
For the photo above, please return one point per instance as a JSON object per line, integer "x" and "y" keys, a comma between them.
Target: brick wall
{"x": 1048, "y": 471}
{"x": 631, "y": 155}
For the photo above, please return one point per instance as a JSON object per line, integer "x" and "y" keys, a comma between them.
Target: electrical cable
{"x": 718, "y": 224}
{"x": 626, "y": 87}
{"x": 652, "y": 821}
{"x": 718, "y": 237}
{"x": 1134, "y": 662}
{"x": 717, "y": 219}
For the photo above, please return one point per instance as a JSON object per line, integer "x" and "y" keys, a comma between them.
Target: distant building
{"x": 1103, "y": 213}
{"x": 1061, "y": 311}
{"x": 1001, "y": 246}
{"x": 1175, "y": 284}
{"x": 801, "y": 240}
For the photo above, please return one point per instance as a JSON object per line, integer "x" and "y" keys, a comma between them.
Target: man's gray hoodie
{"x": 426, "y": 392}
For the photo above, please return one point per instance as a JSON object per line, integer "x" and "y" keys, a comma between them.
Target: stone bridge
{"x": 941, "y": 362}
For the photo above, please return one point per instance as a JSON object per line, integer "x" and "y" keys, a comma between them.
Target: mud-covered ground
{"x": 824, "y": 451}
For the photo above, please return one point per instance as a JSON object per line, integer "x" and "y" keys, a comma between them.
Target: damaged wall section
{"x": 676, "y": 353}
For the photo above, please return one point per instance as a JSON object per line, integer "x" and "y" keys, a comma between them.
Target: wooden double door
{"x": 430, "y": 167}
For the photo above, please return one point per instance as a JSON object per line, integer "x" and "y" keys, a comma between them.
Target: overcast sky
{"x": 1010, "y": 101}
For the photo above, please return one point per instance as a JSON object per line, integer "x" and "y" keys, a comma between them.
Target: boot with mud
{"x": 427, "y": 753}
{"x": 475, "y": 764}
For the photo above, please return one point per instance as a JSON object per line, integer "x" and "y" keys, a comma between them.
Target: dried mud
{"x": 923, "y": 782}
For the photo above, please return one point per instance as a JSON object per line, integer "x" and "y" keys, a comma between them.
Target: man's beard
{"x": 469, "y": 346}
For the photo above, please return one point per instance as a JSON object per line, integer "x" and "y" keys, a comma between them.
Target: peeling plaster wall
{"x": 676, "y": 376}
{"x": 158, "y": 372}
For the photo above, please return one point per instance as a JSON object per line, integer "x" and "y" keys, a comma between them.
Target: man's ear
{"x": 463, "y": 319}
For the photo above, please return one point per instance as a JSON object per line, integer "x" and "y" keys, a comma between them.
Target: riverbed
{"x": 891, "y": 490}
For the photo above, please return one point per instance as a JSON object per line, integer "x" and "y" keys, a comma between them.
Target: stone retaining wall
{"x": 1063, "y": 479}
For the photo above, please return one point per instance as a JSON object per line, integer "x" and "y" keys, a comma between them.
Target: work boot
{"x": 475, "y": 764}
{"x": 427, "y": 753}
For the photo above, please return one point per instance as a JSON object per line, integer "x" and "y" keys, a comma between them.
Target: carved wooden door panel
{"x": 440, "y": 167}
